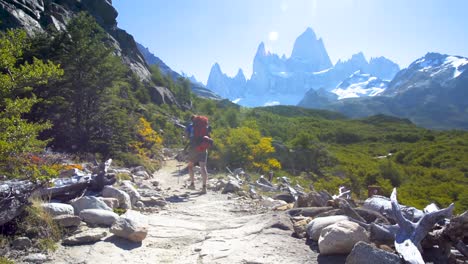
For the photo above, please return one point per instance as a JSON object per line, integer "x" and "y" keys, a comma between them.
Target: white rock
{"x": 135, "y": 196}
{"x": 340, "y": 238}
{"x": 89, "y": 202}
{"x": 123, "y": 197}
{"x": 314, "y": 228}
{"x": 58, "y": 209}
{"x": 99, "y": 217}
{"x": 132, "y": 225}
{"x": 111, "y": 202}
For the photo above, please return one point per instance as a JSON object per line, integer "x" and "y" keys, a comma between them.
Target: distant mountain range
{"x": 431, "y": 92}
{"x": 281, "y": 80}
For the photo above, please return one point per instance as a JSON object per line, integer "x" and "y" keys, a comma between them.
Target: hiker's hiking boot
{"x": 192, "y": 186}
{"x": 203, "y": 191}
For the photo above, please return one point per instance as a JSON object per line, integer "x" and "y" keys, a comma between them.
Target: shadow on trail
{"x": 123, "y": 243}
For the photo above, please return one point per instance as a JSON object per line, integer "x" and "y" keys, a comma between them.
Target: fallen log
{"x": 409, "y": 235}
{"x": 14, "y": 197}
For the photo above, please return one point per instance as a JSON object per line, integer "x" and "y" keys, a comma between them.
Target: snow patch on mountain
{"x": 440, "y": 63}
{"x": 457, "y": 63}
{"x": 360, "y": 84}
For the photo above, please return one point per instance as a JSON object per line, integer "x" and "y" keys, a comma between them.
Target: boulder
{"x": 99, "y": 217}
{"x": 314, "y": 228}
{"x": 231, "y": 187}
{"x": 123, "y": 197}
{"x": 341, "y": 237}
{"x": 312, "y": 199}
{"x": 363, "y": 253}
{"x": 89, "y": 202}
{"x": 111, "y": 202}
{"x": 67, "y": 220}
{"x": 87, "y": 237}
{"x": 55, "y": 209}
{"x": 21, "y": 243}
{"x": 127, "y": 186}
{"x": 132, "y": 226}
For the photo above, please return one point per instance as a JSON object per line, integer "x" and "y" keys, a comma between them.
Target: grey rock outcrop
{"x": 363, "y": 253}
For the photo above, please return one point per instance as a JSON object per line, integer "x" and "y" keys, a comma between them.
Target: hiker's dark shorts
{"x": 196, "y": 156}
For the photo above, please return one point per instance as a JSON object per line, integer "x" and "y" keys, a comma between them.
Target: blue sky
{"x": 191, "y": 35}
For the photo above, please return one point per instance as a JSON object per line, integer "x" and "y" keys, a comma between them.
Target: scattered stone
{"x": 123, "y": 197}
{"x": 231, "y": 187}
{"x": 127, "y": 186}
{"x": 58, "y": 209}
{"x": 300, "y": 227}
{"x": 149, "y": 193}
{"x": 87, "y": 237}
{"x": 314, "y": 228}
{"x": 271, "y": 203}
{"x": 219, "y": 185}
{"x": 364, "y": 253}
{"x": 139, "y": 204}
{"x": 153, "y": 201}
{"x": 111, "y": 202}
{"x": 132, "y": 226}
{"x": 21, "y": 243}
{"x": 155, "y": 183}
{"x": 341, "y": 237}
{"x": 99, "y": 217}
{"x": 36, "y": 258}
{"x": 142, "y": 174}
{"x": 284, "y": 207}
{"x": 89, "y": 202}
{"x": 67, "y": 220}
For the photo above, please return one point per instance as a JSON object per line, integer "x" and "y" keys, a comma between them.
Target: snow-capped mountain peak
{"x": 438, "y": 63}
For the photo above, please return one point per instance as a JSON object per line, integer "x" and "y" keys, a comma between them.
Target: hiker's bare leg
{"x": 190, "y": 170}
{"x": 203, "y": 172}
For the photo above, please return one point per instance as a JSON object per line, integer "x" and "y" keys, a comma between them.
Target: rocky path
{"x": 210, "y": 228}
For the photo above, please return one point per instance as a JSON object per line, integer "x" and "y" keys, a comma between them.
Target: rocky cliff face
{"x": 197, "y": 87}
{"x": 37, "y": 15}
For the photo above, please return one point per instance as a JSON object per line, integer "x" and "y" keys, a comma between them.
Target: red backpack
{"x": 201, "y": 134}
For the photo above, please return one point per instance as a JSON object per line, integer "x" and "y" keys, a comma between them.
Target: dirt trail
{"x": 206, "y": 228}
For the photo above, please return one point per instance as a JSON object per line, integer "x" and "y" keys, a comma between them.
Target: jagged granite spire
{"x": 311, "y": 51}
